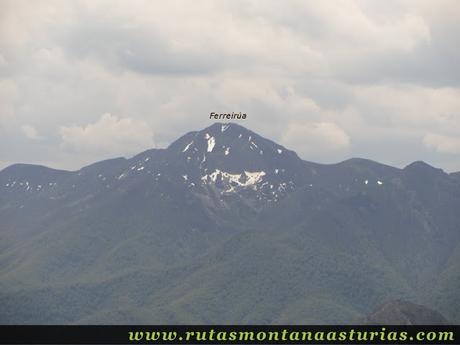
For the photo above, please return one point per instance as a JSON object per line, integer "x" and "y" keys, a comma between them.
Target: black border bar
{"x": 26, "y": 334}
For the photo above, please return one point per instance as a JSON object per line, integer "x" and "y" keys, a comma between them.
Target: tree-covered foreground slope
{"x": 225, "y": 226}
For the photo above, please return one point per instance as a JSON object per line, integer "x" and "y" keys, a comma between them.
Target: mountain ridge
{"x": 215, "y": 125}
{"x": 225, "y": 226}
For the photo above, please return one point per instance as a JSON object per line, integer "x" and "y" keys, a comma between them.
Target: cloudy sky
{"x": 82, "y": 81}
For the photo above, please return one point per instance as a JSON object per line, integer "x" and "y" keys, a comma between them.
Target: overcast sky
{"x": 82, "y": 81}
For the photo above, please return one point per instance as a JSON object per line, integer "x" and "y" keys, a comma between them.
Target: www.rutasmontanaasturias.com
{"x": 228, "y": 116}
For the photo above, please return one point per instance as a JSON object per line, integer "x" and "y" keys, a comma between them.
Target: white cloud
{"x": 109, "y": 135}
{"x": 413, "y": 108}
{"x": 9, "y": 95}
{"x": 442, "y": 143}
{"x": 30, "y": 132}
{"x": 316, "y": 138}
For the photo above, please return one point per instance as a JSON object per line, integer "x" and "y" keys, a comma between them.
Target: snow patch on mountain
{"x": 187, "y": 147}
{"x": 245, "y": 179}
{"x": 211, "y": 144}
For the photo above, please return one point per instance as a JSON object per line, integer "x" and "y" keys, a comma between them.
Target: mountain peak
{"x": 224, "y": 126}
{"x": 232, "y": 148}
{"x": 423, "y": 169}
{"x": 231, "y": 158}
{"x": 420, "y": 165}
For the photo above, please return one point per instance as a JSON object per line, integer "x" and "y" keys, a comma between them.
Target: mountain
{"x": 225, "y": 226}
{"x": 404, "y": 313}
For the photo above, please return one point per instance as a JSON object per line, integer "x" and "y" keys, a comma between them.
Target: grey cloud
{"x": 141, "y": 51}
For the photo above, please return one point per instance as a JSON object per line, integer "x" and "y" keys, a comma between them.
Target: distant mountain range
{"x": 225, "y": 226}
